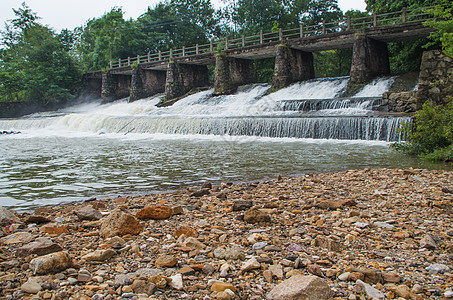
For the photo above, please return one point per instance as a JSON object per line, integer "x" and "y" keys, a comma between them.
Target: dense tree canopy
{"x": 40, "y": 65}
{"x": 35, "y": 65}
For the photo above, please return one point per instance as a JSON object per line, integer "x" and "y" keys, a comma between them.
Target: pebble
{"x": 219, "y": 254}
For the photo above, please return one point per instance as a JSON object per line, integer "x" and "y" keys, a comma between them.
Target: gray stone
{"x": 31, "y": 287}
{"x": 300, "y": 287}
{"x": 428, "y": 242}
{"x": 6, "y": 217}
{"x": 250, "y": 265}
{"x": 41, "y": 246}
{"x": 17, "y": 238}
{"x": 438, "y": 269}
{"x": 99, "y": 255}
{"x": 88, "y": 213}
{"x": 242, "y": 205}
{"x": 369, "y": 290}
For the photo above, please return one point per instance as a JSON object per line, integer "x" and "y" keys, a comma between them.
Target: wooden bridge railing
{"x": 374, "y": 20}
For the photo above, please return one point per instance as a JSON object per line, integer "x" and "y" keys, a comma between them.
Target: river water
{"x": 121, "y": 148}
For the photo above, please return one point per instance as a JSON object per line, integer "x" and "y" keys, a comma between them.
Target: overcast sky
{"x": 73, "y": 13}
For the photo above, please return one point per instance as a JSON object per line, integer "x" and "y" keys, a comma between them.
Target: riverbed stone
{"x": 255, "y": 215}
{"x": 17, "y": 238}
{"x": 119, "y": 223}
{"x": 49, "y": 263}
{"x": 88, "y": 213}
{"x": 301, "y": 287}
{"x": 156, "y": 212}
{"x": 99, "y": 255}
{"x": 6, "y": 217}
{"x": 41, "y": 246}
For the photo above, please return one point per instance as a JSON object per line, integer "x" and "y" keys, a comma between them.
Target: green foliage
{"x": 36, "y": 66}
{"x": 431, "y": 134}
{"x": 443, "y": 25}
{"x": 333, "y": 63}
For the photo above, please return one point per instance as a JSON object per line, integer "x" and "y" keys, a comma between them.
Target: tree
{"x": 35, "y": 64}
{"x": 443, "y": 25}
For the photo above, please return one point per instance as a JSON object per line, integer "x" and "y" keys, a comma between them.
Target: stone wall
{"x": 435, "y": 79}
{"x": 401, "y": 101}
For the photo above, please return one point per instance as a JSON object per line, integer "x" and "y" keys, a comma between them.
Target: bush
{"x": 430, "y": 135}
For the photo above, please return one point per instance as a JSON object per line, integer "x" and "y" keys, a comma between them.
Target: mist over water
{"x": 94, "y": 149}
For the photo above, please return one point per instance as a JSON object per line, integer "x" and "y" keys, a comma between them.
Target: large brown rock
{"x": 51, "y": 263}
{"x": 301, "y": 287}
{"x": 41, "y": 246}
{"x": 156, "y": 212}
{"x": 119, "y": 223}
{"x": 6, "y": 217}
{"x": 254, "y": 216}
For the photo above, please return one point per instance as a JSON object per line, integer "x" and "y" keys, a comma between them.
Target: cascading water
{"x": 98, "y": 149}
{"x": 309, "y": 109}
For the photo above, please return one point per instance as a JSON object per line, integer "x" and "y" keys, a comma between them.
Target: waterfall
{"x": 311, "y": 109}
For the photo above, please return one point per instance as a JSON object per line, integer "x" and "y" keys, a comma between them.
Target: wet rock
{"x": 51, "y": 263}
{"x": 206, "y": 185}
{"x": 37, "y": 219}
{"x": 41, "y": 246}
{"x": 88, "y": 213}
{"x": 301, "y": 287}
{"x": 200, "y": 193}
{"x": 119, "y": 223}
{"x": 242, "y": 205}
{"x": 99, "y": 255}
{"x": 6, "y": 217}
{"x": 254, "y": 215}
{"x": 17, "y": 238}
{"x": 369, "y": 290}
{"x": 167, "y": 261}
{"x": 156, "y": 212}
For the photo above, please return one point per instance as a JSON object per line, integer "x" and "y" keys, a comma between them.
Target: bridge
{"x": 178, "y": 71}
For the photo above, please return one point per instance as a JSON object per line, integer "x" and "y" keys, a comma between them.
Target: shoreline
{"x": 382, "y": 231}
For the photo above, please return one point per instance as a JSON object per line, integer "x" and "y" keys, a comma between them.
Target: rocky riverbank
{"x": 359, "y": 234}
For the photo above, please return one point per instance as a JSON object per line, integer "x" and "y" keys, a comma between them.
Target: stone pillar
{"x": 145, "y": 83}
{"x": 108, "y": 86}
{"x": 369, "y": 59}
{"x": 115, "y": 86}
{"x": 181, "y": 78}
{"x": 92, "y": 84}
{"x": 232, "y": 72}
{"x": 292, "y": 65}
{"x": 435, "y": 81}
